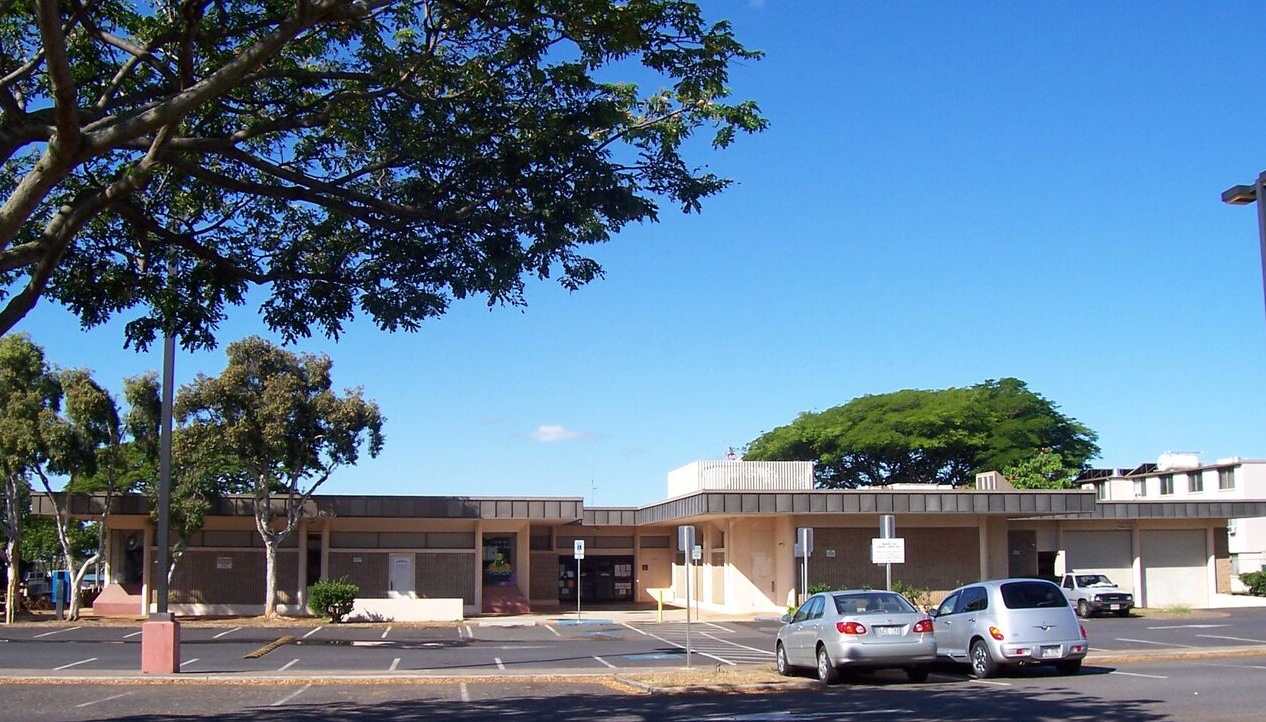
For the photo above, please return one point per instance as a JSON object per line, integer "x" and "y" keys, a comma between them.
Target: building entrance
{"x": 603, "y": 579}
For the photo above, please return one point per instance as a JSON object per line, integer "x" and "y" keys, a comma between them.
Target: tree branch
{"x": 66, "y": 142}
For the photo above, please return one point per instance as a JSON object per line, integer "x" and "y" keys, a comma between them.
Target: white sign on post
{"x": 578, "y": 550}
{"x": 888, "y": 551}
{"x": 696, "y": 553}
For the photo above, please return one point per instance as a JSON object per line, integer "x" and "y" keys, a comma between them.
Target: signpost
{"x": 804, "y": 550}
{"x": 888, "y": 549}
{"x": 686, "y": 545}
{"x": 578, "y": 551}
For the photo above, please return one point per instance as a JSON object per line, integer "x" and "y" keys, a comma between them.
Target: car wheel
{"x": 982, "y": 665}
{"x": 784, "y": 667}
{"x": 1083, "y": 609}
{"x": 827, "y": 673}
{"x": 917, "y": 674}
{"x": 1067, "y": 668}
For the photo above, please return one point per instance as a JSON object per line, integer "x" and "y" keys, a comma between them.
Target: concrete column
{"x": 147, "y": 573}
{"x": 479, "y": 567}
{"x": 1136, "y": 565}
{"x": 325, "y": 550}
{"x": 1211, "y": 565}
{"x": 982, "y": 533}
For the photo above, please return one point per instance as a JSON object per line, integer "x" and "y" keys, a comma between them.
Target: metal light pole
{"x": 1242, "y": 196}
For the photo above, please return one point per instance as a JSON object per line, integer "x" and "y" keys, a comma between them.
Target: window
{"x": 1140, "y": 487}
{"x": 1226, "y": 478}
{"x": 1101, "y": 491}
{"x": 1167, "y": 484}
{"x": 1195, "y": 481}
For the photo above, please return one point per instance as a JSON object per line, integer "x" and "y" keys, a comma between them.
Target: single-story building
{"x": 426, "y": 557}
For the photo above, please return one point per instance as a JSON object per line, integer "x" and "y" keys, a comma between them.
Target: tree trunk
{"x": 75, "y": 585}
{"x": 270, "y": 594}
{"x": 11, "y": 592}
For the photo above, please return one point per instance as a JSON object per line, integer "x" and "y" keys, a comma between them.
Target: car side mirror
{"x": 785, "y": 619}
{"x": 934, "y": 612}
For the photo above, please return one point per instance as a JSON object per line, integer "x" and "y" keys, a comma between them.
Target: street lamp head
{"x": 1239, "y": 195}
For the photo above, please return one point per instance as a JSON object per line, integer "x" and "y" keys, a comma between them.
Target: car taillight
{"x": 1083, "y": 631}
{"x": 850, "y": 628}
{"x": 923, "y": 626}
{"x": 996, "y": 633}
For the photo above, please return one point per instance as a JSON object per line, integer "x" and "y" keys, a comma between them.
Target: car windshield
{"x": 1093, "y": 580}
{"x": 871, "y": 603}
{"x": 1032, "y": 595}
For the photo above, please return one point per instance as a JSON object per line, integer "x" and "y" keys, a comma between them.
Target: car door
{"x": 972, "y": 603}
{"x": 804, "y": 634}
{"x": 945, "y": 625}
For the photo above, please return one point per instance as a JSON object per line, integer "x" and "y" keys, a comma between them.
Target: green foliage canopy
{"x": 919, "y": 436}
{"x": 379, "y": 156}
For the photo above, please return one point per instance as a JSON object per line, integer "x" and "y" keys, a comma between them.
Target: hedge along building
{"x": 439, "y": 558}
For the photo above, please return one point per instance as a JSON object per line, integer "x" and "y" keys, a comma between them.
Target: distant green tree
{"x": 918, "y": 436}
{"x": 275, "y": 414}
{"x": 1044, "y": 470}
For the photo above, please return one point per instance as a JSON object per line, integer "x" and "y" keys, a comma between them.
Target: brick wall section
{"x": 936, "y": 559}
{"x": 198, "y": 580}
{"x": 544, "y": 581}
{"x": 370, "y": 573}
{"x": 446, "y": 576}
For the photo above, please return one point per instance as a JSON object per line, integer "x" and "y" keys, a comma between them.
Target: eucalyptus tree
{"x": 30, "y": 398}
{"x": 275, "y": 415}
{"x": 384, "y": 157}
{"x": 940, "y": 436}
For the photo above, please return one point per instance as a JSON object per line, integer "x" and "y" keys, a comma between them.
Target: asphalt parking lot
{"x": 537, "y": 645}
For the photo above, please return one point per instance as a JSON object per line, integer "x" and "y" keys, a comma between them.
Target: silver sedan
{"x": 856, "y": 629}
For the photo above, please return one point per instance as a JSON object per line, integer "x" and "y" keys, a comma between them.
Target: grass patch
{"x": 707, "y": 676}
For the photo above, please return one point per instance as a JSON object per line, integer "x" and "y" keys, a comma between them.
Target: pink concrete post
{"x": 160, "y": 645}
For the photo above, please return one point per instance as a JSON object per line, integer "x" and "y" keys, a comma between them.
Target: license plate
{"x": 1114, "y": 606}
{"x": 1054, "y": 651}
{"x": 887, "y": 631}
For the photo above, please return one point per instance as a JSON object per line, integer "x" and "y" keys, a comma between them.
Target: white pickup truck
{"x": 1092, "y": 593}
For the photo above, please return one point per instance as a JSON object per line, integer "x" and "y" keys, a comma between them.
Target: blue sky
{"x": 948, "y": 193}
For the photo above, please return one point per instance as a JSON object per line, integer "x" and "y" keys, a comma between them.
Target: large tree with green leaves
{"x": 919, "y": 436}
{"x": 376, "y": 156}
{"x": 275, "y": 414}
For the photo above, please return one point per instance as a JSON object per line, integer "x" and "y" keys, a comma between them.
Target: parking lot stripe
{"x": 600, "y": 659}
{"x": 465, "y": 692}
{"x": 635, "y": 629}
{"x": 500, "y": 664}
{"x": 99, "y": 701}
{"x": 291, "y": 696}
{"x": 133, "y": 634}
{"x": 188, "y": 661}
{"x": 736, "y": 644}
{"x": 550, "y": 627}
{"x": 385, "y": 632}
{"x": 722, "y": 660}
{"x": 718, "y": 626}
{"x": 1159, "y": 644}
{"x": 226, "y": 633}
{"x": 314, "y": 631}
{"x": 75, "y": 664}
{"x": 990, "y": 681}
{"x": 1136, "y": 674}
{"x": 57, "y": 631}
{"x": 1233, "y": 639}
{"x": 288, "y": 665}
{"x": 394, "y": 664}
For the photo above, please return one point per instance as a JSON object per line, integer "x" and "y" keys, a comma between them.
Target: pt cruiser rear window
{"x": 1032, "y": 595}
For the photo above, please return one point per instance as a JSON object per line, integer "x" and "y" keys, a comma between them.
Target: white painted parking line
{"x": 290, "y": 696}
{"x": 226, "y": 633}
{"x": 56, "y": 631}
{"x": 718, "y": 626}
{"x": 99, "y": 701}
{"x": 736, "y": 644}
{"x": 395, "y": 663}
{"x": 1232, "y": 666}
{"x": 500, "y": 664}
{"x": 385, "y": 632}
{"x": 550, "y": 627}
{"x": 990, "y": 681}
{"x": 635, "y": 629}
{"x": 133, "y": 634}
{"x": 75, "y": 664}
{"x": 188, "y": 661}
{"x": 1190, "y": 626}
{"x": 1136, "y": 674}
{"x": 288, "y": 665}
{"x": 465, "y": 693}
{"x": 470, "y": 632}
{"x": 600, "y": 659}
{"x": 1159, "y": 644}
{"x": 309, "y": 634}
{"x": 722, "y": 660}
{"x": 1233, "y": 639}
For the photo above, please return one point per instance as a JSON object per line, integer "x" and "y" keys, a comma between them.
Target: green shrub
{"x": 918, "y": 596}
{"x": 821, "y": 587}
{"x": 332, "y": 598}
{"x": 1256, "y": 583}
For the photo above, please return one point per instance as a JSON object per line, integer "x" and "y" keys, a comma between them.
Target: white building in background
{"x": 1182, "y": 477}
